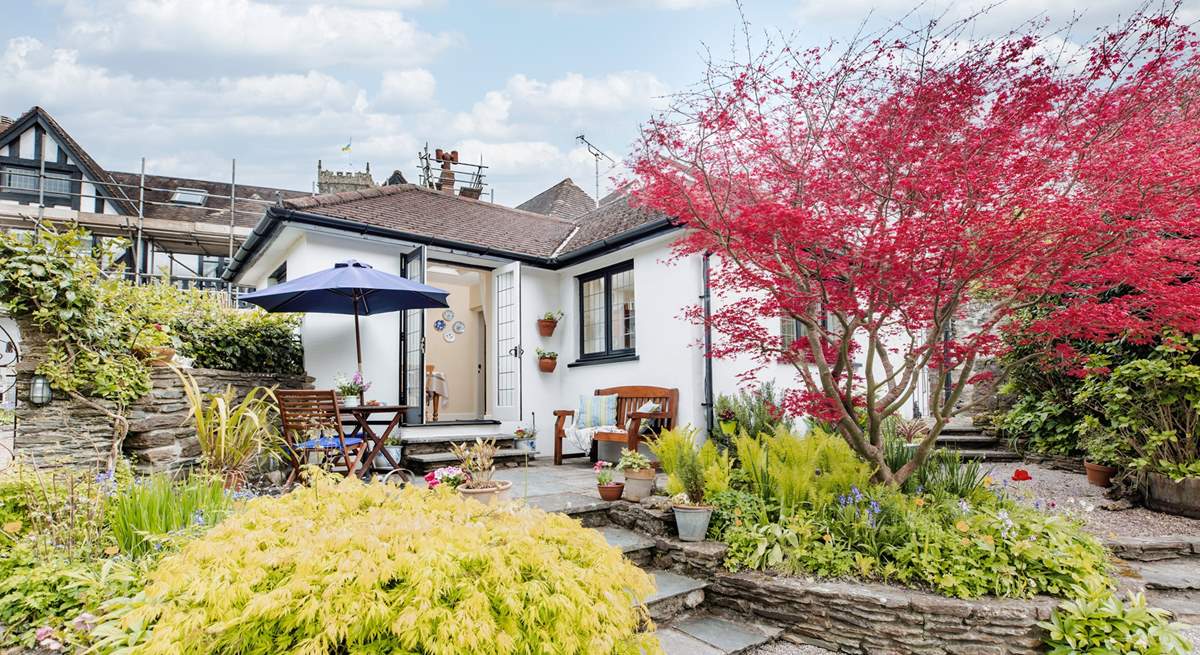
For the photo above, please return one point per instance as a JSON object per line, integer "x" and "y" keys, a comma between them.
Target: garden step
{"x": 959, "y": 441}
{"x": 1184, "y": 606}
{"x": 1179, "y": 574}
{"x": 439, "y": 443}
{"x": 673, "y": 595}
{"x": 637, "y": 547}
{"x": 707, "y": 633}
{"x": 423, "y": 461}
{"x": 985, "y": 455}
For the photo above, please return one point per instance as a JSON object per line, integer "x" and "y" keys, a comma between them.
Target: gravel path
{"x": 1071, "y": 493}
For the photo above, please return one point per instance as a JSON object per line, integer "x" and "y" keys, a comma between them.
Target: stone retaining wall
{"x": 70, "y": 432}
{"x": 1153, "y": 549}
{"x": 1059, "y": 462}
{"x": 872, "y": 619}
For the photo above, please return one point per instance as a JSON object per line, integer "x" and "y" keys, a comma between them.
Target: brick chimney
{"x": 5, "y": 121}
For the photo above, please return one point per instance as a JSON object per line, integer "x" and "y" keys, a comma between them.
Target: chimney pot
{"x": 5, "y": 121}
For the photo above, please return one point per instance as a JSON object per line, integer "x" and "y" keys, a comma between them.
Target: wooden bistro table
{"x": 375, "y": 442}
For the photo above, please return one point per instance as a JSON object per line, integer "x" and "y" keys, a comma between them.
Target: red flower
{"x": 431, "y": 479}
{"x": 1021, "y": 475}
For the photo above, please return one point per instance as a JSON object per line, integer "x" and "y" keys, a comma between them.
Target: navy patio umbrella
{"x": 350, "y": 287}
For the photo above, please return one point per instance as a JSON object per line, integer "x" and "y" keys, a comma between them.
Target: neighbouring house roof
{"x": 414, "y": 209}
{"x": 75, "y": 151}
{"x": 252, "y": 200}
{"x": 565, "y": 200}
{"x": 611, "y": 219}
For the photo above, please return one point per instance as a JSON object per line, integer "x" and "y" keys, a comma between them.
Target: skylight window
{"x": 186, "y": 196}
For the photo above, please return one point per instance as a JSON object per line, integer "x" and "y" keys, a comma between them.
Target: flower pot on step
{"x": 546, "y": 327}
{"x": 161, "y": 355}
{"x": 692, "y": 521}
{"x": 547, "y": 364}
{"x": 610, "y": 491}
{"x": 639, "y": 484}
{"x": 1167, "y": 495}
{"x": 1099, "y": 474}
{"x": 496, "y": 492}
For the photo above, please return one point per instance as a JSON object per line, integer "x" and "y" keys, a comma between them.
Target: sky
{"x": 278, "y": 85}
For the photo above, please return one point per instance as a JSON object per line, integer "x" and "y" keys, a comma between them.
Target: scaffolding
{"x": 199, "y": 229}
{"x": 442, "y": 171}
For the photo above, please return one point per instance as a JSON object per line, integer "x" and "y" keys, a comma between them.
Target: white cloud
{"x": 488, "y": 117}
{"x": 600, "y": 5}
{"x": 406, "y": 88}
{"x": 307, "y": 35}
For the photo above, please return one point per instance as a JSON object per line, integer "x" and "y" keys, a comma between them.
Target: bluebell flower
{"x": 198, "y": 517}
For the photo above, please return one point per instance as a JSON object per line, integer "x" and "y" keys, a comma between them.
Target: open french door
{"x": 506, "y": 280}
{"x": 412, "y": 346}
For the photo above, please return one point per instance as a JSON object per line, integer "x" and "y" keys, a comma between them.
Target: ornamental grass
{"x": 342, "y": 567}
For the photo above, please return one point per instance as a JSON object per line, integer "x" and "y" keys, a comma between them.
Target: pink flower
{"x": 43, "y": 633}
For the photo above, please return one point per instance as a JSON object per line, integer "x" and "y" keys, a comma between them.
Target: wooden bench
{"x": 629, "y": 399}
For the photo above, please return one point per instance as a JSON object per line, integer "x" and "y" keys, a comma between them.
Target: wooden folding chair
{"x": 312, "y": 423}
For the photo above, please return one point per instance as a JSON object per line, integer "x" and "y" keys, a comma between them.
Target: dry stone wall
{"x": 70, "y": 432}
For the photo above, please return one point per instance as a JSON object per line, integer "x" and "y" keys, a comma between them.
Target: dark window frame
{"x": 609, "y": 353}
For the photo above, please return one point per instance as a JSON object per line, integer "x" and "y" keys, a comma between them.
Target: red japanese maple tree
{"x": 879, "y": 194}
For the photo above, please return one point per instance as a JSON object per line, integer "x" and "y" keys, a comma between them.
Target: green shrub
{"x": 343, "y": 567}
{"x": 155, "y": 510}
{"x": 242, "y": 340}
{"x": 791, "y": 473}
{"x": 946, "y": 473}
{"x": 232, "y": 433}
{"x": 755, "y": 412}
{"x": 734, "y": 508}
{"x": 695, "y": 471}
{"x": 1098, "y": 623}
{"x": 1153, "y": 404}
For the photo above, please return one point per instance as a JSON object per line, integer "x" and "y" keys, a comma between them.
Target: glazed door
{"x": 412, "y": 346}
{"x": 507, "y": 351}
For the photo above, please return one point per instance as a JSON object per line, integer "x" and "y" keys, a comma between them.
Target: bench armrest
{"x": 564, "y": 412}
{"x": 646, "y": 415}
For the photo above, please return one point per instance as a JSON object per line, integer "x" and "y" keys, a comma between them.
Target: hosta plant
{"x": 1098, "y": 623}
{"x": 343, "y": 567}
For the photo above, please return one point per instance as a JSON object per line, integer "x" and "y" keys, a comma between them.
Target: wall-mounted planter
{"x": 547, "y": 364}
{"x": 546, "y": 327}
{"x": 1166, "y": 495}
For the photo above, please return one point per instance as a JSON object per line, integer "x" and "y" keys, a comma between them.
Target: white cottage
{"x": 604, "y": 267}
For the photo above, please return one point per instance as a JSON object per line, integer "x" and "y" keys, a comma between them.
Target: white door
{"x": 508, "y": 352}
{"x": 412, "y": 339}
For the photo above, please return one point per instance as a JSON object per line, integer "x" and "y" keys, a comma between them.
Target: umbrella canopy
{"x": 350, "y": 287}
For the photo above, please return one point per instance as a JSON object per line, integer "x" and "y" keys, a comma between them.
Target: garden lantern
{"x": 39, "y": 390}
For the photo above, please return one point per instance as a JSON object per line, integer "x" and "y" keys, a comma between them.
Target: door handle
{"x": 516, "y": 351}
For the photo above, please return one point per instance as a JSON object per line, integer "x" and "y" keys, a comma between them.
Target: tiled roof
{"x": 415, "y": 209}
{"x": 565, "y": 200}
{"x": 159, "y": 189}
{"x": 610, "y": 219}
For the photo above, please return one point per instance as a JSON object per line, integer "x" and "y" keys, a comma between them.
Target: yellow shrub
{"x": 342, "y": 567}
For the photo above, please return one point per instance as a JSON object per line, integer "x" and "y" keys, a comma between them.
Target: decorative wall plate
{"x": 449, "y": 337}
{"x": 439, "y": 325}
{"x": 460, "y": 327}
{"x": 448, "y": 314}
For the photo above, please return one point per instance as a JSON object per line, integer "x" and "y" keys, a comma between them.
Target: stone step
{"x": 971, "y": 441}
{"x": 985, "y": 455}
{"x": 637, "y": 547}
{"x": 421, "y": 462}
{"x": 706, "y": 634}
{"x": 1184, "y": 606}
{"x": 961, "y": 430}
{"x": 435, "y": 443}
{"x": 674, "y": 594}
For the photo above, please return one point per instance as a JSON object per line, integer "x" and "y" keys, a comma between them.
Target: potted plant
{"x": 547, "y": 360}
{"x": 609, "y": 490}
{"x": 639, "y": 474}
{"x": 681, "y": 459}
{"x": 451, "y": 476}
{"x": 393, "y": 448}
{"x": 351, "y": 387}
{"x": 1103, "y": 453}
{"x": 525, "y": 438}
{"x": 548, "y": 322}
{"x": 727, "y": 419}
{"x": 478, "y": 462}
{"x": 155, "y": 344}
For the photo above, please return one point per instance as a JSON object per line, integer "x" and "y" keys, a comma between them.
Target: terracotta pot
{"x": 610, "y": 491}
{"x": 546, "y": 327}
{"x": 639, "y": 484}
{"x": 1099, "y": 474}
{"x": 1166, "y": 495}
{"x": 161, "y": 355}
{"x": 489, "y": 495}
{"x": 547, "y": 364}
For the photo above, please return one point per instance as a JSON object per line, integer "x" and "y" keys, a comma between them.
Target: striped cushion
{"x": 595, "y": 411}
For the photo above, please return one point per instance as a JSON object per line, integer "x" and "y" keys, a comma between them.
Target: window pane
{"x": 622, "y": 311}
{"x": 593, "y": 316}
{"x": 20, "y": 178}
{"x": 58, "y": 184}
{"x": 788, "y": 331}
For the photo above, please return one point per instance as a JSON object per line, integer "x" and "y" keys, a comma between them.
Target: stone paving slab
{"x": 672, "y": 584}
{"x": 675, "y": 642}
{"x": 728, "y": 636}
{"x": 565, "y": 503}
{"x": 627, "y": 540}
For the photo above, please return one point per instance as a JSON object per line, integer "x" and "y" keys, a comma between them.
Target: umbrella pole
{"x": 358, "y": 347}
